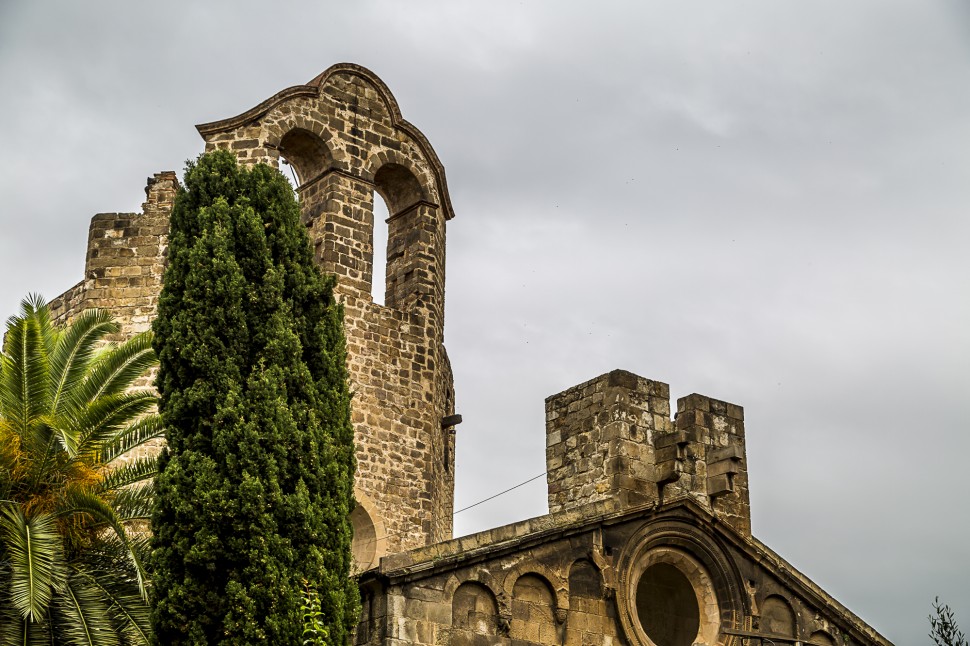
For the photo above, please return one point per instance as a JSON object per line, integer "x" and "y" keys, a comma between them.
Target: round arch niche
{"x": 369, "y": 543}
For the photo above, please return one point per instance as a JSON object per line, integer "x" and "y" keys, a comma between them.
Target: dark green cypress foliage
{"x": 256, "y": 484}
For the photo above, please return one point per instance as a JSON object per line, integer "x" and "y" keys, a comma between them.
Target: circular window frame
{"x": 709, "y": 613}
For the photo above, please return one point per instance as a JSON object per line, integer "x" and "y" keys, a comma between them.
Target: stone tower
{"x": 612, "y": 438}
{"x": 344, "y": 136}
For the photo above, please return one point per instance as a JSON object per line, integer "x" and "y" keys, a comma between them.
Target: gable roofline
{"x": 438, "y": 558}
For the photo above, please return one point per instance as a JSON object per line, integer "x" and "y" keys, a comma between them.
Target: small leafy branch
{"x": 314, "y": 630}
{"x": 943, "y": 627}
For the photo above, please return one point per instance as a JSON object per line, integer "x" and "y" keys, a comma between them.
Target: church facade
{"x": 648, "y": 540}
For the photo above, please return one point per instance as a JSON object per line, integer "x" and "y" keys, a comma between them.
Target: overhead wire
{"x": 501, "y": 493}
{"x": 436, "y": 519}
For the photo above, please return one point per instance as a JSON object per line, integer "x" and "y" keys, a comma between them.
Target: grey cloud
{"x": 763, "y": 202}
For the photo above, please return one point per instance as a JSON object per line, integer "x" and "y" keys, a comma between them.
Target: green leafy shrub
{"x": 256, "y": 486}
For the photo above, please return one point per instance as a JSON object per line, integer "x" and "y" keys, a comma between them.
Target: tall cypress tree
{"x": 256, "y": 483}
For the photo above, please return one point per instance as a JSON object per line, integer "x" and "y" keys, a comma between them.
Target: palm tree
{"x": 72, "y": 543}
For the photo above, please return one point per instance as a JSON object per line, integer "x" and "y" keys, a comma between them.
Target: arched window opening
{"x": 305, "y": 153}
{"x": 378, "y": 286}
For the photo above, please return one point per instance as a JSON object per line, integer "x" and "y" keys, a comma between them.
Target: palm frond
{"x": 117, "y": 368}
{"x": 82, "y": 501}
{"x": 73, "y": 353}
{"x": 134, "y": 472}
{"x": 55, "y": 433}
{"x": 135, "y": 503}
{"x": 33, "y": 547}
{"x": 109, "y": 415}
{"x": 13, "y": 462}
{"x": 36, "y": 307}
{"x": 131, "y": 614}
{"x": 88, "y": 623}
{"x": 17, "y": 631}
{"x": 24, "y": 370}
{"x": 144, "y": 430}
{"x": 65, "y": 411}
{"x": 42, "y": 444}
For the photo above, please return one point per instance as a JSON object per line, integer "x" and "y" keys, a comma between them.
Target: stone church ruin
{"x": 648, "y": 538}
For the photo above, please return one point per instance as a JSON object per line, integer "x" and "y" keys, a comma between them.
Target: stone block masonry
{"x": 344, "y": 136}
{"x": 124, "y": 263}
{"x": 612, "y": 438}
{"x": 599, "y": 440}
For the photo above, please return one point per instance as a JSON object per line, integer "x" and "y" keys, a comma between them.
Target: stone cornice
{"x": 332, "y": 171}
{"x": 224, "y": 125}
{"x": 413, "y": 207}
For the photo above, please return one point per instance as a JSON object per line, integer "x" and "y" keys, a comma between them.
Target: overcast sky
{"x": 764, "y": 202}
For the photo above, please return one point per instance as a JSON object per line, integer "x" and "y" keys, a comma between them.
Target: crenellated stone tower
{"x": 345, "y": 138}
{"x": 611, "y": 438}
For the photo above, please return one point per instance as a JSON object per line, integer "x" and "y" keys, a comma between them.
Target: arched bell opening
{"x": 290, "y": 174}
{"x": 378, "y": 288}
{"x": 399, "y": 187}
{"x": 404, "y": 268}
{"x": 306, "y": 155}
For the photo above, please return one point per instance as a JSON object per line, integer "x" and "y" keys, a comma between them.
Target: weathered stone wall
{"x": 344, "y": 135}
{"x": 577, "y": 577}
{"x": 612, "y": 438}
{"x": 124, "y": 263}
{"x": 600, "y": 440}
{"x": 716, "y": 466}
{"x": 123, "y": 273}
